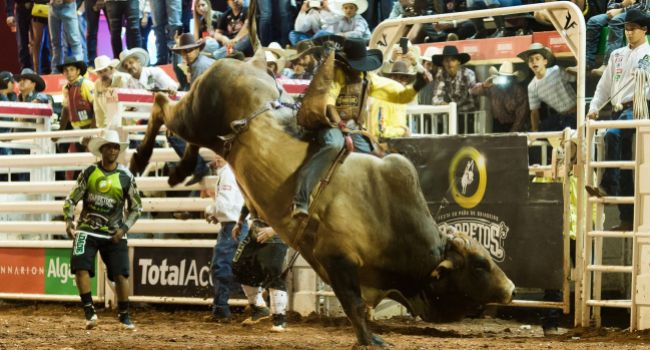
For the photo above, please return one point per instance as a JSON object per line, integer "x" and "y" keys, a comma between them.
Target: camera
{"x": 314, "y": 3}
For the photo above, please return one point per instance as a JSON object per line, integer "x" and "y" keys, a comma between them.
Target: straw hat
{"x": 140, "y": 54}
{"x": 102, "y": 62}
{"x": 107, "y": 136}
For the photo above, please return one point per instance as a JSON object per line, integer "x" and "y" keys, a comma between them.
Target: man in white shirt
{"x": 225, "y": 210}
{"x": 617, "y": 86}
{"x": 105, "y": 104}
{"x": 134, "y": 61}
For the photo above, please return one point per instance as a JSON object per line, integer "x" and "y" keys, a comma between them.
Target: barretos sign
{"x": 480, "y": 185}
{"x": 172, "y": 272}
{"x": 38, "y": 271}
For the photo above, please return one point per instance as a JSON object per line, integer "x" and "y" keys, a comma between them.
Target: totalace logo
{"x": 491, "y": 235}
{"x": 183, "y": 274}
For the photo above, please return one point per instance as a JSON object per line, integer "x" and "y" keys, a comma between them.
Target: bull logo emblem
{"x": 468, "y": 176}
{"x": 468, "y": 187}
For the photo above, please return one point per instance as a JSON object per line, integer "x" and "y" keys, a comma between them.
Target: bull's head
{"x": 466, "y": 279}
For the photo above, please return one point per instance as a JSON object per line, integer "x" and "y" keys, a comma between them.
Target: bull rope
{"x": 640, "y": 104}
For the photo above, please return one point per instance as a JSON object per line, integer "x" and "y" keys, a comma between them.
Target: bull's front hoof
{"x": 175, "y": 177}
{"x": 375, "y": 343}
{"x": 137, "y": 165}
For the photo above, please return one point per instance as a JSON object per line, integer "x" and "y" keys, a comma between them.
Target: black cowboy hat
{"x": 637, "y": 16}
{"x": 355, "y": 54}
{"x": 450, "y": 51}
{"x": 71, "y": 61}
{"x": 187, "y": 42}
{"x": 28, "y": 73}
{"x": 335, "y": 40}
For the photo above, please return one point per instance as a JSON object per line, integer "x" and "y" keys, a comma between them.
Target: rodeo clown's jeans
{"x": 222, "y": 276}
{"x": 331, "y": 141}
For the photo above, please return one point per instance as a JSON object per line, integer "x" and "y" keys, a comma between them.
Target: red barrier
{"x": 26, "y": 109}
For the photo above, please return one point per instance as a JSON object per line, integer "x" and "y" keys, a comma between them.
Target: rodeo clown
{"x": 105, "y": 187}
{"x": 257, "y": 265}
{"x": 350, "y": 86}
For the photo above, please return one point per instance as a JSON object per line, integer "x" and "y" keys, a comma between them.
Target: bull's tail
{"x": 141, "y": 157}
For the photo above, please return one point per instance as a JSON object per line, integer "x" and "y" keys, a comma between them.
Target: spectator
{"x": 38, "y": 42}
{"x": 346, "y": 20}
{"x": 378, "y": 11}
{"x": 550, "y": 85}
{"x": 228, "y": 201}
{"x": 508, "y": 99}
{"x": 305, "y": 61}
{"x": 206, "y": 20}
{"x": 145, "y": 23}
{"x": 615, "y": 86}
{"x": 614, "y": 19}
{"x": 499, "y": 21}
{"x": 31, "y": 87}
{"x": 166, "y": 22}
{"x": 275, "y": 59}
{"x": 78, "y": 96}
{"x": 232, "y": 33}
{"x": 388, "y": 119}
{"x": 108, "y": 79}
{"x": 309, "y": 21}
{"x": 134, "y": 62}
{"x": 83, "y": 27}
{"x": 63, "y": 22}
{"x": 7, "y": 86}
{"x": 19, "y": 18}
{"x": 258, "y": 264}
{"x": 93, "y": 9}
{"x": 453, "y": 81}
{"x": 197, "y": 64}
{"x": 425, "y": 96}
{"x": 120, "y": 11}
{"x": 274, "y": 16}
{"x": 109, "y": 192}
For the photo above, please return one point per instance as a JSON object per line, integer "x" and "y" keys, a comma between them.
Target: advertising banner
{"x": 174, "y": 271}
{"x": 38, "y": 271}
{"x": 480, "y": 185}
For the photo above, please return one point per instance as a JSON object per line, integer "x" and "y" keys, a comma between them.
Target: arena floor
{"x": 57, "y": 326}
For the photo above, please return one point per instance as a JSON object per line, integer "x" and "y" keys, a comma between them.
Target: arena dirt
{"x": 57, "y": 326}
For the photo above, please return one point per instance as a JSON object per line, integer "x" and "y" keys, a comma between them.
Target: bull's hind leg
{"x": 142, "y": 155}
{"x": 343, "y": 276}
{"x": 186, "y": 165}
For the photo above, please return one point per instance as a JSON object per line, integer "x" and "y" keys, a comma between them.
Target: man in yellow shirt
{"x": 77, "y": 96}
{"x": 345, "y": 101}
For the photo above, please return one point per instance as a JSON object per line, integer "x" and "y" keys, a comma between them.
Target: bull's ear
{"x": 259, "y": 59}
{"x": 442, "y": 268}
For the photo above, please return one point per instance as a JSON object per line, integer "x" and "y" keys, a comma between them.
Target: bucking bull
{"x": 370, "y": 234}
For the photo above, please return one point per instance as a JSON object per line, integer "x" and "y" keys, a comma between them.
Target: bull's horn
{"x": 445, "y": 264}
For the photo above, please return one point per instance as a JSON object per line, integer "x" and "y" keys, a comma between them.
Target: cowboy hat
{"x": 140, "y": 54}
{"x": 107, "y": 136}
{"x": 274, "y": 53}
{"x": 535, "y": 48}
{"x": 304, "y": 47}
{"x": 430, "y": 51}
{"x": 5, "y": 78}
{"x": 276, "y": 49}
{"x": 637, "y": 16}
{"x": 355, "y": 54}
{"x": 398, "y": 69}
{"x": 450, "y": 51}
{"x": 71, "y": 61}
{"x": 102, "y": 62}
{"x": 28, "y": 73}
{"x": 506, "y": 70}
{"x": 186, "y": 42}
{"x": 337, "y": 7}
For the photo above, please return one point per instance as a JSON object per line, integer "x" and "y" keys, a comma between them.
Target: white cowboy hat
{"x": 107, "y": 136}
{"x": 507, "y": 70}
{"x": 102, "y": 62}
{"x": 276, "y": 49}
{"x": 430, "y": 51}
{"x": 141, "y": 54}
{"x": 362, "y": 6}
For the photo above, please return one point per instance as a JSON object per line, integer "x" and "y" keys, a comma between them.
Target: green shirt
{"x": 104, "y": 195}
